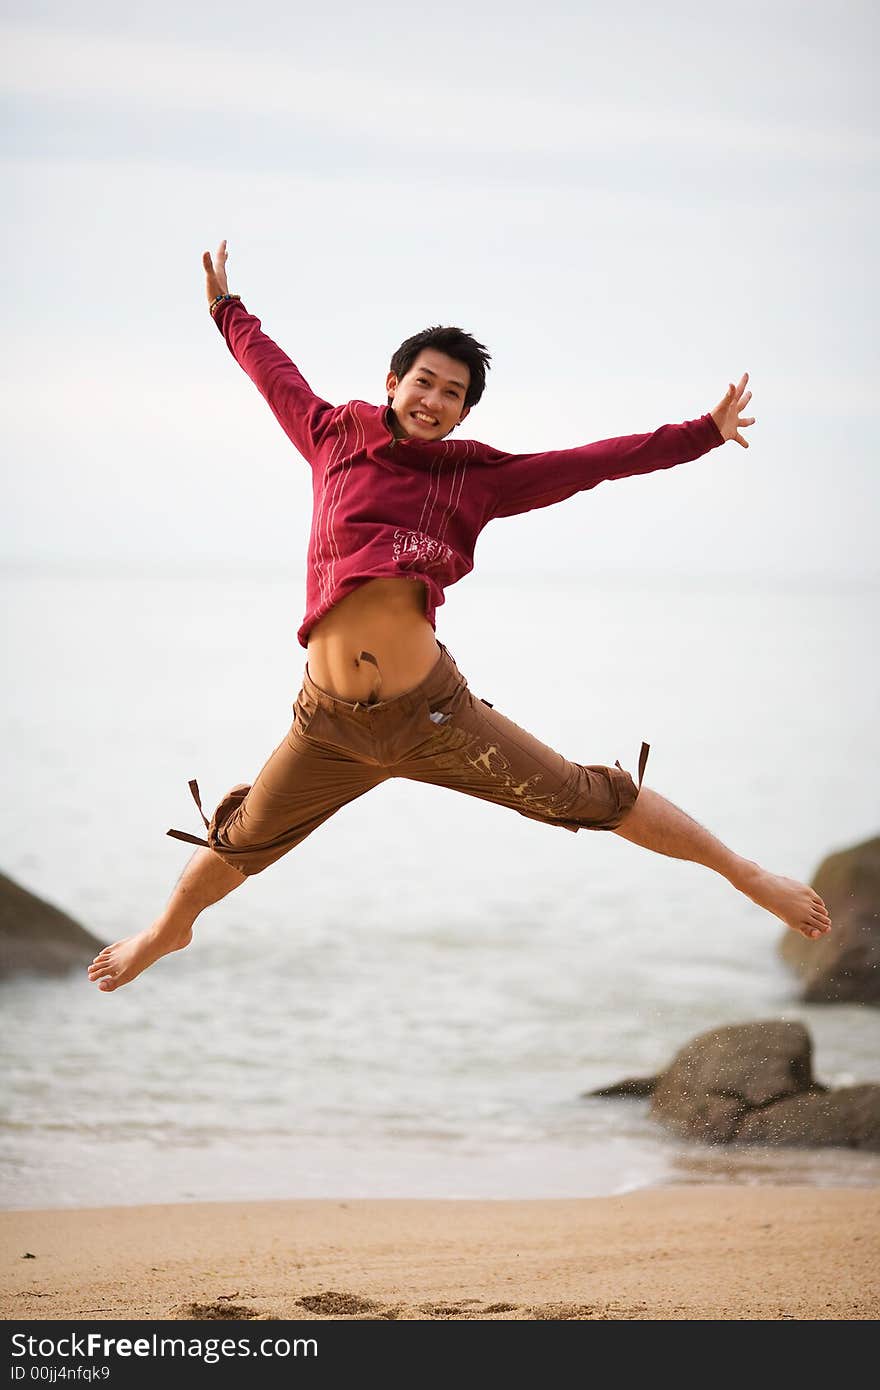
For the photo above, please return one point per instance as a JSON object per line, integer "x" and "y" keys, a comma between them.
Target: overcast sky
{"x": 630, "y": 204}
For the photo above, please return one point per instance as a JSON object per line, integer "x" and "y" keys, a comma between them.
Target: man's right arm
{"x": 301, "y": 414}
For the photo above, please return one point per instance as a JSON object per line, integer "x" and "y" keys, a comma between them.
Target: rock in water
{"x": 718, "y": 1077}
{"x": 844, "y": 966}
{"x": 752, "y": 1083}
{"x": 37, "y": 937}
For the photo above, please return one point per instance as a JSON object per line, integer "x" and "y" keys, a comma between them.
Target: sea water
{"x": 415, "y": 1001}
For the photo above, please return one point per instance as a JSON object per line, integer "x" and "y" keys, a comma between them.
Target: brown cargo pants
{"x": 336, "y": 750}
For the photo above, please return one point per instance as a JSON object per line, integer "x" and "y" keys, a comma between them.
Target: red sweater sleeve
{"x": 527, "y": 481}
{"x": 301, "y": 414}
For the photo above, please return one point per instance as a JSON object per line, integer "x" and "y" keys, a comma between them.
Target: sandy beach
{"x": 673, "y": 1253}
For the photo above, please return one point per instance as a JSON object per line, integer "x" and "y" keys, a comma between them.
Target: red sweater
{"x": 387, "y": 508}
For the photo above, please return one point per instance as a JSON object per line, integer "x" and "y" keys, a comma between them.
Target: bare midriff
{"x": 385, "y": 617}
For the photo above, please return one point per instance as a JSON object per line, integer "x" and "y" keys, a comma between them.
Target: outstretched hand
{"x": 727, "y": 412}
{"x": 216, "y": 272}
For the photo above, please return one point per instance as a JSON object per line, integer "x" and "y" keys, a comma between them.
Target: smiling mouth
{"x": 424, "y": 419}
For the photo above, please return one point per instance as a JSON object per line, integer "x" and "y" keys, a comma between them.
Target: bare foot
{"x": 122, "y": 962}
{"x": 795, "y": 903}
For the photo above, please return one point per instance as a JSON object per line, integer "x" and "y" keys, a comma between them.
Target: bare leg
{"x": 206, "y": 879}
{"x": 656, "y": 824}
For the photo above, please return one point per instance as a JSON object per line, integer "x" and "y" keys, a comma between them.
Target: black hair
{"x": 455, "y": 343}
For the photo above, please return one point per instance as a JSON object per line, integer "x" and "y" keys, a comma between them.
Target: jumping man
{"x": 398, "y": 507}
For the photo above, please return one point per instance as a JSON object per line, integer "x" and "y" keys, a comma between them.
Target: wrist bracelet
{"x": 221, "y": 299}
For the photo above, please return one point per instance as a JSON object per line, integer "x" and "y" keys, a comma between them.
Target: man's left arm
{"x": 528, "y": 481}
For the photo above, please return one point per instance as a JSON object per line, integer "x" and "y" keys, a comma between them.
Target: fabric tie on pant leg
{"x": 182, "y": 834}
{"x": 643, "y": 758}
{"x": 226, "y": 807}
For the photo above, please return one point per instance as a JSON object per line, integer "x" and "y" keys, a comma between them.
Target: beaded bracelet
{"x": 221, "y": 299}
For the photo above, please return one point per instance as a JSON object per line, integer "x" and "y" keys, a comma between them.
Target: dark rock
{"x": 34, "y": 936}
{"x": 844, "y": 966}
{"x": 752, "y": 1083}
{"x": 846, "y": 1118}
{"x": 632, "y": 1086}
{"x": 750, "y": 1063}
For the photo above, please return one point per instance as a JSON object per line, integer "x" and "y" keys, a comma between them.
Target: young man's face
{"x": 428, "y": 401}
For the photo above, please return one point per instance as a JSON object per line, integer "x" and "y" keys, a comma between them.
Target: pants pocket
{"x": 304, "y": 708}
{"x": 441, "y": 719}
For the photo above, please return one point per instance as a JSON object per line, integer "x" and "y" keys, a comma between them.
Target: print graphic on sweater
{"x": 492, "y": 763}
{"x": 416, "y": 548}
